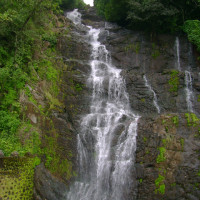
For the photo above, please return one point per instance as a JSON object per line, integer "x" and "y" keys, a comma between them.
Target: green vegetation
{"x": 155, "y": 52}
{"x": 16, "y": 178}
{"x": 192, "y": 119}
{"x": 79, "y": 87}
{"x": 70, "y": 4}
{"x": 173, "y": 184}
{"x": 144, "y": 139}
{"x": 175, "y": 120}
{"x": 29, "y": 33}
{"x": 150, "y": 15}
{"x": 196, "y": 186}
{"x": 143, "y": 100}
{"x": 21, "y": 25}
{"x": 154, "y": 16}
{"x": 192, "y": 28}
{"x": 182, "y": 141}
{"x": 160, "y": 186}
{"x": 54, "y": 162}
{"x": 161, "y": 157}
{"x": 25, "y": 140}
{"x": 113, "y": 10}
{"x": 28, "y": 38}
{"x": 133, "y": 47}
{"x": 174, "y": 81}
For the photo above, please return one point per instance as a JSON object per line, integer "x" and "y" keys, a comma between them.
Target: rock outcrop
{"x": 60, "y": 129}
{"x": 167, "y": 157}
{"x": 48, "y": 186}
{"x": 168, "y": 143}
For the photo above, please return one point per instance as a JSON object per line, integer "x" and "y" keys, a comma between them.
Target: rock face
{"x": 60, "y": 128}
{"x": 168, "y": 143}
{"x": 47, "y": 186}
{"x": 139, "y": 55}
{"x": 168, "y": 156}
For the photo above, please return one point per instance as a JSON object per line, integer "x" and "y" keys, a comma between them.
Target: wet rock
{"x": 139, "y": 171}
{"x": 47, "y": 186}
{"x": 136, "y": 54}
{"x": 90, "y": 14}
{"x": 191, "y": 197}
{"x": 103, "y": 36}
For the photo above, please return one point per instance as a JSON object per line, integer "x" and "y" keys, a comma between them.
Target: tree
{"x": 149, "y": 15}
{"x": 152, "y": 15}
{"x": 192, "y": 28}
{"x": 112, "y": 10}
{"x": 70, "y": 4}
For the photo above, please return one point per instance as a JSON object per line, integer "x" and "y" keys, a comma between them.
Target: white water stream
{"x": 177, "y": 48}
{"x": 188, "y": 76}
{"x": 188, "y": 82}
{"x": 155, "y": 100}
{"x": 107, "y": 140}
{"x": 188, "y": 90}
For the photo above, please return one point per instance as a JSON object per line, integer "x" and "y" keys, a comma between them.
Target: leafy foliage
{"x": 175, "y": 120}
{"x": 160, "y": 186}
{"x": 192, "y": 28}
{"x": 69, "y": 4}
{"x": 26, "y": 31}
{"x": 174, "y": 81}
{"x": 161, "y": 156}
{"x": 113, "y": 10}
{"x": 192, "y": 119}
{"x": 9, "y": 122}
{"x": 149, "y": 15}
{"x": 154, "y": 14}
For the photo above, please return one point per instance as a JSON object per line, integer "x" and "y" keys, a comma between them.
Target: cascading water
{"x": 189, "y": 92}
{"x": 177, "y": 48}
{"x": 188, "y": 77}
{"x": 107, "y": 140}
{"x": 188, "y": 82}
{"x": 155, "y": 100}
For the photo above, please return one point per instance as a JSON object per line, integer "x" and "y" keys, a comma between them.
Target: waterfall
{"x": 188, "y": 82}
{"x": 107, "y": 138}
{"x": 177, "y": 49}
{"x": 75, "y": 16}
{"x": 189, "y": 92}
{"x": 155, "y": 100}
{"x": 188, "y": 77}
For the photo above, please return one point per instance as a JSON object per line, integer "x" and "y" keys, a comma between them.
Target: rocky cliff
{"x": 162, "y": 79}
{"x": 156, "y": 73}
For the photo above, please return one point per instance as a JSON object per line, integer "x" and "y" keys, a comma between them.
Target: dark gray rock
{"x": 103, "y": 36}
{"x": 139, "y": 54}
{"x": 139, "y": 171}
{"x": 47, "y": 186}
{"x": 191, "y": 197}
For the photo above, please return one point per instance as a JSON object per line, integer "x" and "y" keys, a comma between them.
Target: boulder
{"x": 48, "y": 186}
